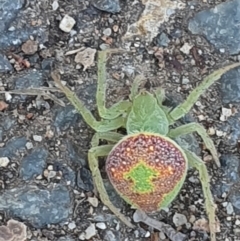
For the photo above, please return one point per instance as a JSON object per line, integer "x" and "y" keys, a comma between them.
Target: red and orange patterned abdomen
{"x": 145, "y": 169}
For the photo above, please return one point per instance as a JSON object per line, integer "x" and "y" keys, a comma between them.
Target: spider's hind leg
{"x": 192, "y": 127}
{"x": 101, "y": 151}
{"x": 197, "y": 163}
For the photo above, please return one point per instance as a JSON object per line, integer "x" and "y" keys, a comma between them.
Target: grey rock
{"x": 189, "y": 142}
{"x": 113, "y": 195}
{"x": 17, "y": 37}
{"x": 110, "y": 235}
{"x": 232, "y": 128}
{"x": 7, "y": 122}
{"x": 86, "y": 19}
{"x": 73, "y": 154}
{"x": 111, "y": 6}
{"x": 84, "y": 179}
{"x": 230, "y": 165}
{"x": 39, "y": 206}
{"x": 33, "y": 164}
{"x": 5, "y": 66}
{"x": 162, "y": 40}
{"x": 13, "y": 146}
{"x": 176, "y": 33}
{"x": 31, "y": 79}
{"x": 220, "y": 25}
{"x": 8, "y": 11}
{"x": 68, "y": 175}
{"x": 65, "y": 117}
{"x": 47, "y": 64}
{"x": 230, "y": 86}
{"x": 67, "y": 238}
{"x": 234, "y": 199}
{"x": 1, "y": 134}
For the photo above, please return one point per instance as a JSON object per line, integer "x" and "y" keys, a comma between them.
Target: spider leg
{"x": 117, "y": 109}
{"x": 192, "y": 98}
{"x": 135, "y": 86}
{"x": 108, "y": 136}
{"x": 93, "y": 154}
{"x": 98, "y": 126}
{"x": 196, "y": 162}
{"x": 191, "y": 127}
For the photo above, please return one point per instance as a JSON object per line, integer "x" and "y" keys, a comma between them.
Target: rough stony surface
{"x": 214, "y": 25}
{"x": 45, "y": 182}
{"x": 230, "y": 86}
{"x": 33, "y": 164}
{"x": 5, "y": 66}
{"x": 38, "y": 206}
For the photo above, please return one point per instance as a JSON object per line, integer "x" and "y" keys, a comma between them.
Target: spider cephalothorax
{"x": 146, "y": 167}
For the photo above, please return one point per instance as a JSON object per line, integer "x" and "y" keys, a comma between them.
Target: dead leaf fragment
{"x": 85, "y": 57}
{"x": 30, "y": 47}
{"x": 155, "y": 13}
{"x": 201, "y": 225}
{"x": 3, "y": 105}
{"x": 14, "y": 231}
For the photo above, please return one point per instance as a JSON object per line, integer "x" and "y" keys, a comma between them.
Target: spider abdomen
{"x": 147, "y": 170}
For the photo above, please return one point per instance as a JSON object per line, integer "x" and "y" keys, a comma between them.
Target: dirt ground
{"x": 62, "y": 133}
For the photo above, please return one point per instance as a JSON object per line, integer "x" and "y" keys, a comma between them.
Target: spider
{"x": 146, "y": 166}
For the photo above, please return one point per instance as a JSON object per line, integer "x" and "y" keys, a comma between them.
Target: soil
{"x": 44, "y": 124}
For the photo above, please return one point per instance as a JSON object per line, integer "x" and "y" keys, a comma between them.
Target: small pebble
{"x": 237, "y": 222}
{"x": 179, "y": 219}
{"x": 93, "y": 201}
{"x": 186, "y": 48}
{"x": 229, "y": 209}
{"x": 90, "y": 231}
{"x": 101, "y": 225}
{"x": 72, "y": 225}
{"x": 29, "y": 145}
{"x": 4, "y": 161}
{"x": 67, "y": 24}
{"x": 107, "y": 31}
{"x": 148, "y": 234}
{"x": 37, "y": 138}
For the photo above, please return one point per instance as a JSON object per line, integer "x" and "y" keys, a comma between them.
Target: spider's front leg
{"x": 117, "y": 109}
{"x": 101, "y": 151}
{"x": 192, "y": 127}
{"x": 182, "y": 109}
{"x": 196, "y": 162}
{"x": 98, "y": 126}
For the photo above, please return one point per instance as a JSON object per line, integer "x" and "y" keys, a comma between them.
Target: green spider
{"x": 146, "y": 167}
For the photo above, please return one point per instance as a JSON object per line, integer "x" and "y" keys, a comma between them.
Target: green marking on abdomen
{"x": 142, "y": 176}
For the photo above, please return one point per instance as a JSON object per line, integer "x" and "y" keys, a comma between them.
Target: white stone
{"x": 186, "y": 48}
{"x": 82, "y": 236}
{"x": 148, "y": 234}
{"x": 67, "y": 24}
{"x": 90, "y": 231}
{"x": 179, "y": 219}
{"x": 55, "y": 5}
{"x": 237, "y": 222}
{"x": 93, "y": 201}
{"x": 8, "y": 96}
{"x": 72, "y": 225}
{"x": 101, "y": 225}
{"x": 107, "y": 31}
{"x": 29, "y": 145}
{"x": 4, "y": 161}
{"x": 229, "y": 209}
{"x": 37, "y": 138}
